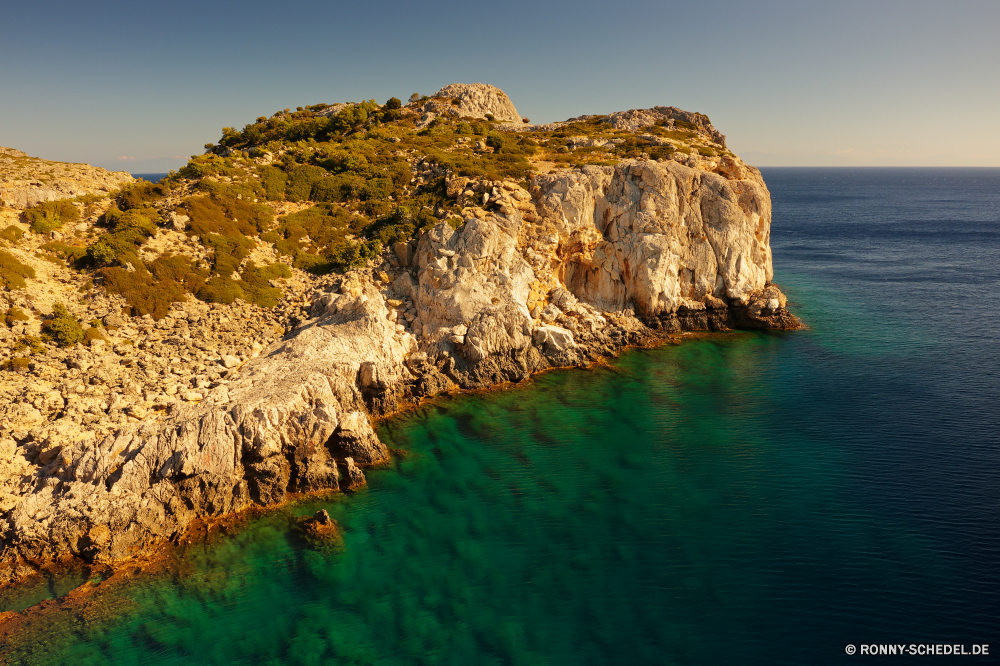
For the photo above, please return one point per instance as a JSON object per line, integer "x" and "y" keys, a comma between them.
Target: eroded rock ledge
{"x": 581, "y": 265}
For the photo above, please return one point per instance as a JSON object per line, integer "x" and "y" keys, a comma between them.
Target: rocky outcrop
{"x": 293, "y": 415}
{"x": 26, "y": 181}
{"x": 667, "y": 238}
{"x": 574, "y": 266}
{"x": 469, "y": 100}
{"x": 638, "y": 119}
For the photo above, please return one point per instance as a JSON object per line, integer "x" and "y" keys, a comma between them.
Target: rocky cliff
{"x": 209, "y": 408}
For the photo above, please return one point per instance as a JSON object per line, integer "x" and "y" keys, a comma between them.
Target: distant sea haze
{"x": 752, "y": 498}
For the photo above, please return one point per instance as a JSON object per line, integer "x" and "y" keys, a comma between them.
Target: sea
{"x": 150, "y": 177}
{"x": 741, "y": 498}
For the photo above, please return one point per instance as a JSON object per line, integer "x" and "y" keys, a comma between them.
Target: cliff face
{"x": 574, "y": 267}
{"x": 26, "y": 181}
{"x": 663, "y": 236}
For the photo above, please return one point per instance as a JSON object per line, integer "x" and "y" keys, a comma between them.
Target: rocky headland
{"x": 225, "y": 338}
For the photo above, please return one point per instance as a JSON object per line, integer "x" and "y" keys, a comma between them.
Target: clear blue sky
{"x": 142, "y": 86}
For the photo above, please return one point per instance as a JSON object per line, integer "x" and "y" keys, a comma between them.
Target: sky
{"x": 141, "y": 86}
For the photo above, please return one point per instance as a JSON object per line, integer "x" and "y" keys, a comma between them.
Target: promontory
{"x": 223, "y": 338}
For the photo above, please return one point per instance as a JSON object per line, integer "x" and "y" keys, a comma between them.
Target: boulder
{"x": 554, "y": 338}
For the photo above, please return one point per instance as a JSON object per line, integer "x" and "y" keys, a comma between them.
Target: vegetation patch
{"x": 151, "y": 290}
{"x": 51, "y": 215}
{"x": 314, "y": 231}
{"x": 93, "y": 333}
{"x": 74, "y": 254}
{"x": 30, "y": 344}
{"x": 129, "y": 230}
{"x": 12, "y": 234}
{"x": 13, "y": 272}
{"x": 62, "y": 329}
{"x": 17, "y": 364}
{"x": 14, "y": 315}
{"x": 253, "y": 286}
{"x": 273, "y": 180}
{"x": 142, "y": 194}
{"x": 143, "y": 292}
{"x": 223, "y": 214}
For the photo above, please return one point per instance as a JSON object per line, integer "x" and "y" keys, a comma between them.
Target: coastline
{"x": 98, "y": 597}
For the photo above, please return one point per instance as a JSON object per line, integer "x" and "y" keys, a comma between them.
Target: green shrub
{"x": 12, "y": 234}
{"x": 496, "y": 141}
{"x": 350, "y": 254}
{"x": 393, "y": 103}
{"x": 93, "y": 333}
{"x": 144, "y": 294}
{"x": 301, "y": 180}
{"x": 273, "y": 180}
{"x": 220, "y": 290}
{"x": 229, "y": 251}
{"x": 51, "y": 215}
{"x": 17, "y": 364}
{"x": 89, "y": 198}
{"x": 141, "y": 194}
{"x": 253, "y": 286}
{"x": 376, "y": 188}
{"x": 678, "y": 135}
{"x": 392, "y": 228}
{"x": 326, "y": 226}
{"x": 30, "y": 344}
{"x": 179, "y": 269}
{"x": 226, "y": 215}
{"x": 255, "y": 283}
{"x": 62, "y": 329}
{"x": 351, "y": 117}
{"x": 13, "y": 272}
{"x": 71, "y": 253}
{"x": 338, "y": 187}
{"x": 129, "y": 231}
{"x": 686, "y": 125}
{"x": 244, "y": 190}
{"x": 15, "y": 315}
{"x": 208, "y": 165}
{"x": 399, "y": 173}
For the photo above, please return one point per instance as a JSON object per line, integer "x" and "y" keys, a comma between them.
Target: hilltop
{"x": 224, "y": 338}
{"x": 26, "y": 181}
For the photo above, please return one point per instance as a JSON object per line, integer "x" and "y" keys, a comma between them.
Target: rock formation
{"x": 26, "y": 181}
{"x": 470, "y": 100}
{"x": 574, "y": 265}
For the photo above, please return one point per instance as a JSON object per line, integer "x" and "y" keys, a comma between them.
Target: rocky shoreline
{"x": 109, "y": 450}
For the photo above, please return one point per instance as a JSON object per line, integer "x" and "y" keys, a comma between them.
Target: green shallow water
{"x": 644, "y": 513}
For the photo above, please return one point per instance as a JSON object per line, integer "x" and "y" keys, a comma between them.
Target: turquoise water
{"x": 745, "y": 498}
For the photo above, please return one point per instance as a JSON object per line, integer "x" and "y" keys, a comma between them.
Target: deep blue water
{"x": 748, "y": 498}
{"x": 151, "y": 177}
